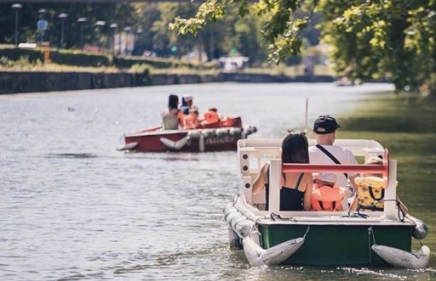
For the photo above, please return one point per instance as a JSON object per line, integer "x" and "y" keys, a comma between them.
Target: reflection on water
{"x": 74, "y": 208}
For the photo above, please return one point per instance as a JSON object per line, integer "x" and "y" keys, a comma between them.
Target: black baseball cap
{"x": 325, "y": 124}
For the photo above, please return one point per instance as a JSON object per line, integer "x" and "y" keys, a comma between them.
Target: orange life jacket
{"x": 211, "y": 116}
{"x": 191, "y": 122}
{"x": 327, "y": 198}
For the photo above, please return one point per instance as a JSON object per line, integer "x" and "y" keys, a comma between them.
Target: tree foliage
{"x": 373, "y": 39}
{"x": 281, "y": 31}
{"x": 370, "y": 39}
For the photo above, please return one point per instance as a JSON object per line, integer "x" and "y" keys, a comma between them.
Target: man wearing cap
{"x": 187, "y": 103}
{"x": 324, "y": 152}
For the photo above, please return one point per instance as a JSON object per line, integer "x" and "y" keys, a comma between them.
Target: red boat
{"x": 219, "y": 136}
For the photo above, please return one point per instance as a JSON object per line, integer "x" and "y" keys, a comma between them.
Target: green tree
{"x": 370, "y": 38}
{"x": 374, "y": 39}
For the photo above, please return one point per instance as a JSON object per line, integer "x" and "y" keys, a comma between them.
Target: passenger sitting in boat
{"x": 187, "y": 103}
{"x": 172, "y": 118}
{"x": 371, "y": 191}
{"x": 325, "y": 152}
{"x": 296, "y": 188}
{"x": 325, "y": 195}
{"x": 211, "y": 116}
{"x": 192, "y": 121}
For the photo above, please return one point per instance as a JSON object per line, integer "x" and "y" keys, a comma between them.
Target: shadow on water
{"x": 70, "y": 155}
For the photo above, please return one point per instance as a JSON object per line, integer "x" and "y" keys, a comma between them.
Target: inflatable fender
{"x": 244, "y": 228}
{"x": 257, "y": 256}
{"x": 207, "y": 133}
{"x": 194, "y": 134}
{"x": 420, "y": 231}
{"x": 230, "y": 216}
{"x": 174, "y": 145}
{"x": 403, "y": 259}
{"x": 221, "y": 132}
{"x": 235, "y": 131}
{"x": 129, "y": 146}
{"x": 227, "y": 209}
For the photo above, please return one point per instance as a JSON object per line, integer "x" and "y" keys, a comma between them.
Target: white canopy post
{"x": 390, "y": 211}
{"x": 275, "y": 172}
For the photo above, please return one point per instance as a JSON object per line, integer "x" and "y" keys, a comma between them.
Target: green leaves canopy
{"x": 369, "y": 39}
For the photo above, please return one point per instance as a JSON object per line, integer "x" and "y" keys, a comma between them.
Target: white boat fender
{"x": 255, "y": 236}
{"x": 234, "y": 240}
{"x": 274, "y": 255}
{"x": 403, "y": 259}
{"x": 228, "y": 209}
{"x": 221, "y": 132}
{"x": 194, "y": 134}
{"x": 237, "y": 221}
{"x": 250, "y": 130}
{"x": 257, "y": 256}
{"x": 129, "y": 146}
{"x": 207, "y": 133}
{"x": 239, "y": 204}
{"x": 174, "y": 145}
{"x": 235, "y": 131}
{"x": 230, "y": 216}
{"x": 244, "y": 228}
{"x": 420, "y": 230}
{"x": 246, "y": 210}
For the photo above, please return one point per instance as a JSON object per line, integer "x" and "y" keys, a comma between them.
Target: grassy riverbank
{"x": 406, "y": 125}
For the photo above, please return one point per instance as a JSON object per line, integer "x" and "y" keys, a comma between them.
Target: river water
{"x": 72, "y": 207}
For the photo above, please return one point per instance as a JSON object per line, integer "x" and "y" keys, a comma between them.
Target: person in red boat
{"x": 192, "y": 121}
{"x": 187, "y": 103}
{"x": 172, "y": 117}
{"x": 211, "y": 116}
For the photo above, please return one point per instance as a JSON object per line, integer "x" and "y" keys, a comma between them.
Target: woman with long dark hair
{"x": 172, "y": 117}
{"x": 296, "y": 188}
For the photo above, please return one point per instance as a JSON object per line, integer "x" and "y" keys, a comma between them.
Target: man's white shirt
{"x": 344, "y": 156}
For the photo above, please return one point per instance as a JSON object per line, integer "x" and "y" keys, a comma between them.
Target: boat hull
{"x": 153, "y": 143}
{"x": 221, "y": 136}
{"x": 337, "y": 245}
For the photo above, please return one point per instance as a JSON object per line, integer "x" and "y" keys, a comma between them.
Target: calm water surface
{"x": 72, "y": 207}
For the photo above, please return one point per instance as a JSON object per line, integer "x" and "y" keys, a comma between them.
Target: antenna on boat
{"x": 305, "y": 115}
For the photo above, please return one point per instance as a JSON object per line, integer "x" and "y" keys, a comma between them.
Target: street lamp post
{"x": 113, "y": 27}
{"x": 42, "y": 13}
{"x": 62, "y": 16}
{"x": 127, "y": 29}
{"x": 100, "y": 24}
{"x": 81, "y": 22}
{"x": 138, "y": 32}
{"x": 16, "y": 7}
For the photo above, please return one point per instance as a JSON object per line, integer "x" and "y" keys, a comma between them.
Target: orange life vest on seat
{"x": 327, "y": 198}
{"x": 191, "y": 122}
{"x": 211, "y": 117}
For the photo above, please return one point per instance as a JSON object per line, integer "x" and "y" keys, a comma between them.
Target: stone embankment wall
{"x": 26, "y": 82}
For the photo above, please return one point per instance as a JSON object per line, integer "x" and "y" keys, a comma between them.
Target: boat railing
{"x": 389, "y": 168}
{"x": 254, "y": 152}
{"x": 363, "y": 147}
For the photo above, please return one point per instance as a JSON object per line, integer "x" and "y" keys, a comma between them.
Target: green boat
{"x": 320, "y": 238}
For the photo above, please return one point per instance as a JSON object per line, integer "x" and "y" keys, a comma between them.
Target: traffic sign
{"x": 42, "y": 24}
